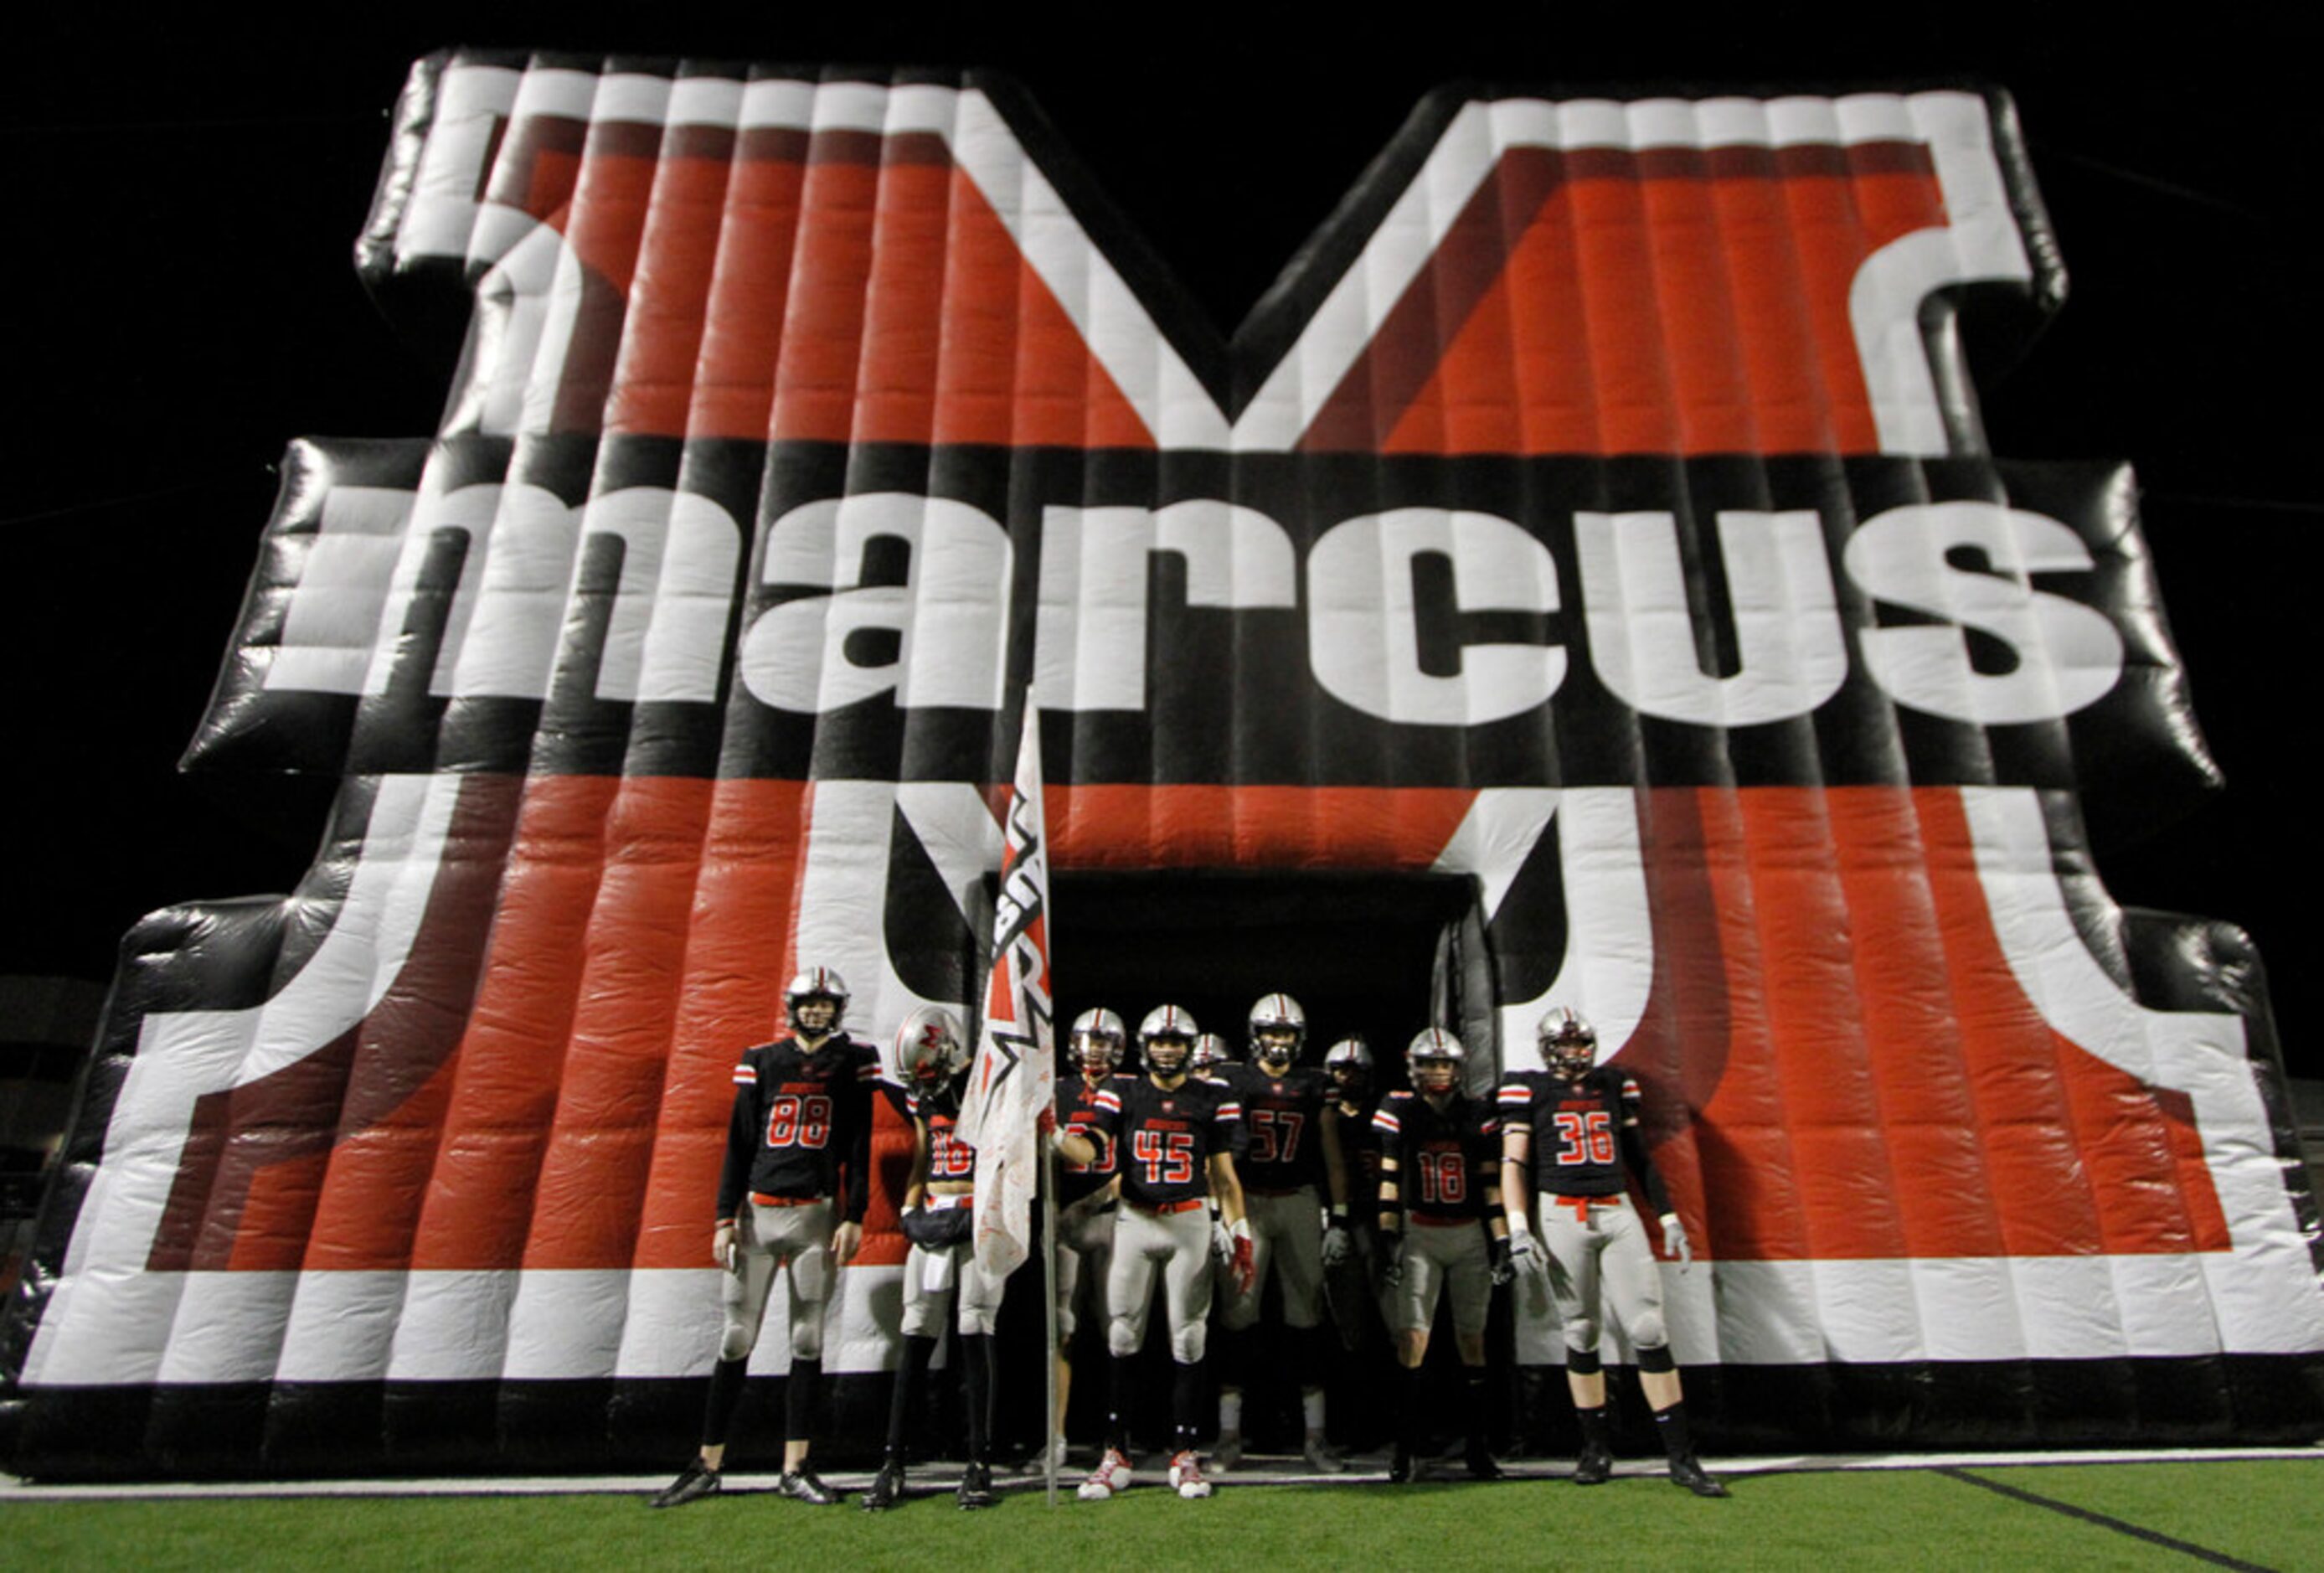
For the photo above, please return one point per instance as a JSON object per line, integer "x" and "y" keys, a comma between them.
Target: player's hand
{"x": 1045, "y": 1121}
{"x": 1338, "y": 1245}
{"x": 1526, "y": 1255}
{"x": 1242, "y": 1263}
{"x": 845, "y": 1241}
{"x": 1222, "y": 1240}
{"x": 1675, "y": 1240}
{"x": 1497, "y": 1252}
{"x": 721, "y": 1245}
{"x": 1392, "y": 1262}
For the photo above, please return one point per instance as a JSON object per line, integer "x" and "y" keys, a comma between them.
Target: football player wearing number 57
{"x": 1175, "y": 1139}
{"x": 1569, "y": 1136}
{"x": 790, "y": 1196}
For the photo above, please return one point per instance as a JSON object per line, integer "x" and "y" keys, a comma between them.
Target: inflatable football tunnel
{"x": 1582, "y": 580}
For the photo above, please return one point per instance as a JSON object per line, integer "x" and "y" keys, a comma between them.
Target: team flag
{"x": 1014, "y": 1082}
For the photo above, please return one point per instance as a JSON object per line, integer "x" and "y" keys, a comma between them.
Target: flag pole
{"x": 1054, "y": 1431}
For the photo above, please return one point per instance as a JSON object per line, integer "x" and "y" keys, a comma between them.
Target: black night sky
{"x": 181, "y": 302}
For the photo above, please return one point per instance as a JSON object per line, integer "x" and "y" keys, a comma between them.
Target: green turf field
{"x": 2269, "y": 1514}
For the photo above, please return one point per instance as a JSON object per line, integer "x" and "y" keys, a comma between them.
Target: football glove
{"x": 1242, "y": 1263}
{"x": 1526, "y": 1255}
{"x": 1392, "y": 1262}
{"x": 1675, "y": 1241}
{"x": 1497, "y": 1252}
{"x": 1339, "y": 1245}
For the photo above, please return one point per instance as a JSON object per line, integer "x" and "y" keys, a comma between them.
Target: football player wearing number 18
{"x": 1441, "y": 1226}
{"x": 790, "y": 1196}
{"x": 938, "y": 1219}
{"x": 1568, "y": 1134}
{"x": 1175, "y": 1138}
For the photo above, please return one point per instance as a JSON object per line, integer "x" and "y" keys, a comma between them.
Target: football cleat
{"x": 1689, "y": 1473}
{"x": 1186, "y": 1476}
{"x": 1405, "y": 1468}
{"x": 887, "y": 1488}
{"x": 1595, "y": 1467}
{"x": 1228, "y": 1453}
{"x": 976, "y": 1487}
{"x": 801, "y": 1485}
{"x": 1320, "y": 1459}
{"x": 1480, "y": 1466}
{"x": 696, "y": 1481}
{"x": 1110, "y": 1477}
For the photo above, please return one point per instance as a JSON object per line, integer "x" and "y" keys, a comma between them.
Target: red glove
{"x": 1045, "y": 1121}
{"x": 1243, "y": 1266}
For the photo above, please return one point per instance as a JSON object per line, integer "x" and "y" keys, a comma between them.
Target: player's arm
{"x": 1391, "y": 1167}
{"x": 852, "y": 1117}
{"x": 1489, "y": 1174}
{"x": 1103, "y": 1112}
{"x": 1336, "y": 1162}
{"x": 915, "y": 1185}
{"x": 1227, "y": 1187}
{"x": 743, "y": 1124}
{"x": 1514, "y": 1104}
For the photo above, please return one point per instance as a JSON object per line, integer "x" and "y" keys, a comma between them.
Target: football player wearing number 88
{"x": 1441, "y": 1226}
{"x": 1174, "y": 1140}
{"x": 1568, "y": 1134}
{"x": 790, "y": 1196}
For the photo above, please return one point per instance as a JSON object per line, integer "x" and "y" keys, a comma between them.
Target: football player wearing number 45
{"x": 790, "y": 1196}
{"x": 1569, "y": 1134}
{"x": 1175, "y": 1139}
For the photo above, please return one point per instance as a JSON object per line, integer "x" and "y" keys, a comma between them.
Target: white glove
{"x": 1674, "y": 1238}
{"x": 1222, "y": 1241}
{"x": 1526, "y": 1255}
{"x": 721, "y": 1245}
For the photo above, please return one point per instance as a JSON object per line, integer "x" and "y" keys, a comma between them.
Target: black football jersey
{"x": 949, "y": 1157}
{"x": 1578, "y": 1127}
{"x": 1076, "y": 1098}
{"x": 1164, "y": 1140}
{"x": 1283, "y": 1122}
{"x": 1444, "y": 1159}
{"x": 801, "y": 1126}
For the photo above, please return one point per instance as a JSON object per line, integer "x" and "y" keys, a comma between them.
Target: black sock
{"x": 1678, "y": 1441}
{"x": 1594, "y": 1433}
{"x": 726, "y": 1392}
{"x": 1411, "y": 1393}
{"x": 802, "y": 1395}
{"x": 976, "y": 1387}
{"x": 1121, "y": 1384}
{"x": 1474, "y": 1420}
{"x": 1185, "y": 1404}
{"x": 910, "y": 1374}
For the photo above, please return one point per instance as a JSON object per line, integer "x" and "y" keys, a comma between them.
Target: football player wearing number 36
{"x": 1568, "y": 1134}
{"x": 791, "y": 1195}
{"x": 1174, "y": 1138}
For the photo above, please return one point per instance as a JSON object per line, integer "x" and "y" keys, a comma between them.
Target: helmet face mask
{"x": 1349, "y": 1063}
{"x": 1097, "y": 1041}
{"x": 1434, "y": 1060}
{"x": 1569, "y": 1044}
{"x": 815, "y": 1001}
{"x": 1278, "y": 1026}
{"x": 1166, "y": 1039}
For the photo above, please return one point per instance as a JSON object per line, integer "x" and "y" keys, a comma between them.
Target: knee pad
{"x": 1120, "y": 1340}
{"x": 806, "y": 1335}
{"x": 1241, "y": 1311}
{"x": 1188, "y": 1343}
{"x": 976, "y": 1320}
{"x": 1657, "y": 1358}
{"x": 736, "y": 1344}
{"x": 1648, "y": 1333}
{"x": 1581, "y": 1333}
{"x": 1582, "y": 1362}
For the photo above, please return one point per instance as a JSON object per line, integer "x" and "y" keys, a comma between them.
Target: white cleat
{"x": 1187, "y": 1476}
{"x": 1111, "y": 1478}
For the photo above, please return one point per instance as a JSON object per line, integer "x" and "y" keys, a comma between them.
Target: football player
{"x": 1086, "y": 1191}
{"x": 1211, "y": 1056}
{"x": 1569, "y": 1136}
{"x": 790, "y": 1196}
{"x": 1292, "y": 1153}
{"x": 940, "y": 1220}
{"x": 1441, "y": 1227}
{"x": 1347, "y": 1252}
{"x": 1175, "y": 1141}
